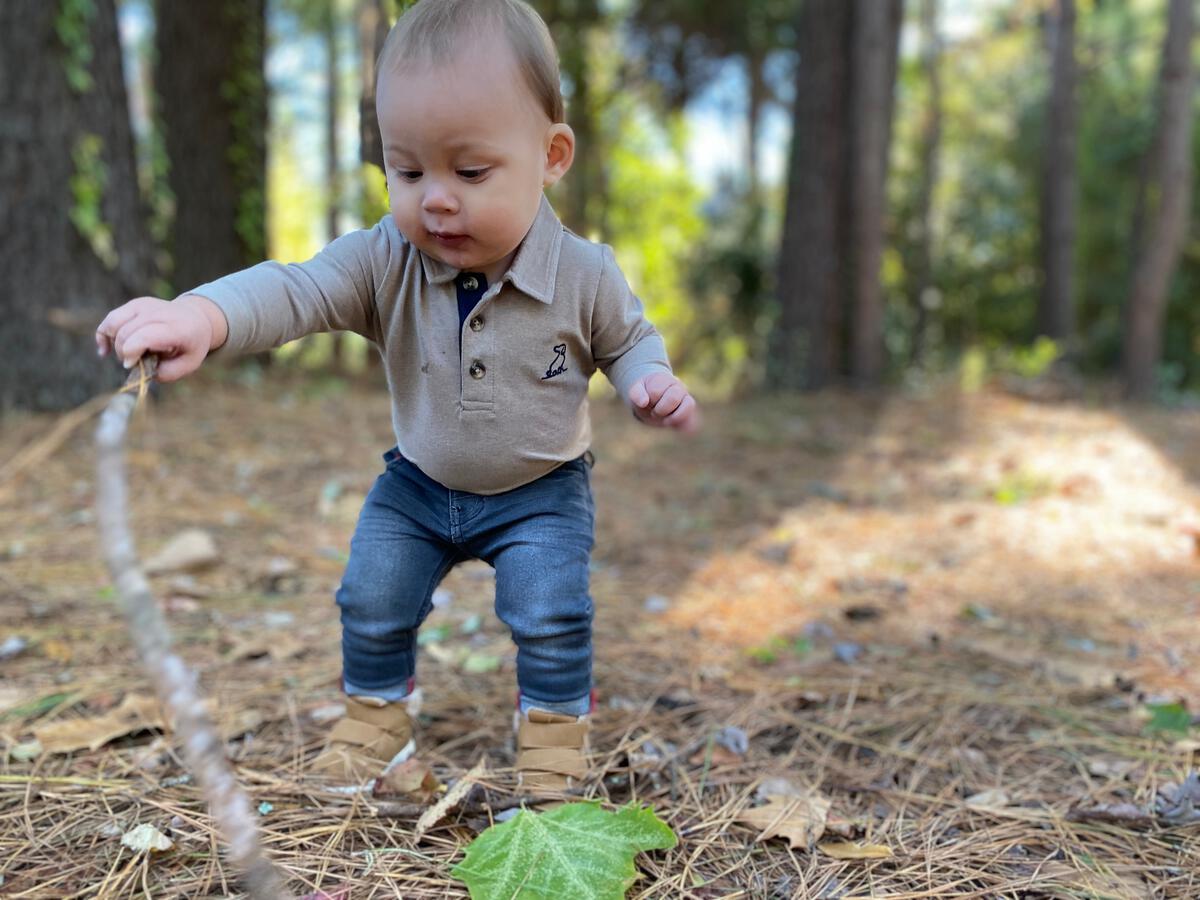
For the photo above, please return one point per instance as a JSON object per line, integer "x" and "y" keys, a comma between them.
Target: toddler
{"x": 490, "y": 317}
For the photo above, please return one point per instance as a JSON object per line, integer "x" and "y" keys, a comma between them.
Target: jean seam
{"x": 447, "y": 564}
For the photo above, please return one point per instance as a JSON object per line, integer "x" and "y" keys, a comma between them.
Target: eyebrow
{"x": 455, "y": 147}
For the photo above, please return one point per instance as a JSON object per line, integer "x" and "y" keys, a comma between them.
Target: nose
{"x": 438, "y": 198}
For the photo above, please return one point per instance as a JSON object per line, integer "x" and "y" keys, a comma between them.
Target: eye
{"x": 409, "y": 175}
{"x": 472, "y": 174}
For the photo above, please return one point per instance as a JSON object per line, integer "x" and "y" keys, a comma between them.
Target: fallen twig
{"x": 174, "y": 681}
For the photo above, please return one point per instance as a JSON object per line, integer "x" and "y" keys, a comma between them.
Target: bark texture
{"x": 1164, "y": 206}
{"x": 929, "y": 151}
{"x": 830, "y": 299}
{"x": 874, "y": 50}
{"x": 373, "y": 26}
{"x": 1056, "y": 317}
{"x": 805, "y": 348}
{"x": 73, "y": 242}
{"x": 213, "y": 108}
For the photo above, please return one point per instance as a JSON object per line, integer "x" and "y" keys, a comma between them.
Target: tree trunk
{"x": 1055, "y": 317}
{"x": 756, "y": 98}
{"x": 213, "y": 107}
{"x": 803, "y": 352}
{"x": 579, "y": 213}
{"x": 876, "y": 32}
{"x": 1163, "y": 206}
{"x": 930, "y": 146}
{"x": 73, "y": 242}
{"x": 333, "y": 193}
{"x": 373, "y": 28}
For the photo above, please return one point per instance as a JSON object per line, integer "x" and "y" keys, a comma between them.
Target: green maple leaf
{"x": 577, "y": 850}
{"x": 1169, "y": 717}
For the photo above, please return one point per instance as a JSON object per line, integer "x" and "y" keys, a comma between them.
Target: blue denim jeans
{"x": 412, "y": 530}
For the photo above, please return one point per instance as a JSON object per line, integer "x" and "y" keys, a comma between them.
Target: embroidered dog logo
{"x": 560, "y": 362}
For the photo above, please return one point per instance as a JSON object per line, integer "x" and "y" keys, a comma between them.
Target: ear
{"x": 560, "y": 152}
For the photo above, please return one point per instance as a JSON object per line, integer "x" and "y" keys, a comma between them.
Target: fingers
{"x": 106, "y": 331}
{"x": 176, "y": 367}
{"x": 116, "y": 327}
{"x": 137, "y": 337}
{"x": 638, "y": 395}
{"x": 663, "y": 400}
{"x": 686, "y": 417}
{"x": 670, "y": 399}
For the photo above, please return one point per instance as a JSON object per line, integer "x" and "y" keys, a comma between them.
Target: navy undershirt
{"x": 468, "y": 297}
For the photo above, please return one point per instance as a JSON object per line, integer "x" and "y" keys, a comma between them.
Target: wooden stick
{"x": 175, "y": 682}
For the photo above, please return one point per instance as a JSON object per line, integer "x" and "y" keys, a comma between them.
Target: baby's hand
{"x": 661, "y": 399}
{"x": 181, "y": 332}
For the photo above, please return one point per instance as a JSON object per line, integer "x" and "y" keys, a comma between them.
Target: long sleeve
{"x": 625, "y": 345}
{"x": 270, "y": 304}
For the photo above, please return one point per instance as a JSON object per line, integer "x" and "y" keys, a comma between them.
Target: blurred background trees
{"x": 806, "y": 194}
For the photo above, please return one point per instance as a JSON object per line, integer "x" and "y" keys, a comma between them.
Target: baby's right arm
{"x": 182, "y": 332}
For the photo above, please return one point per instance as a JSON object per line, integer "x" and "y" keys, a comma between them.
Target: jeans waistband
{"x": 394, "y": 455}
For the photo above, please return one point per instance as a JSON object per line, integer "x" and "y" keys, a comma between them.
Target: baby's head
{"x": 473, "y": 127}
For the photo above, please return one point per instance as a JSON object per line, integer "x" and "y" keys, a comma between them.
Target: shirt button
{"x": 470, "y": 283}
{"x": 477, "y": 323}
{"x": 477, "y": 370}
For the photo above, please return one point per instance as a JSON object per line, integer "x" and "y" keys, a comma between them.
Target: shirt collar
{"x": 535, "y": 267}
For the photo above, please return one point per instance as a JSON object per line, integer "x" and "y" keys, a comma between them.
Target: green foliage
{"x": 653, "y": 216}
{"x": 1033, "y": 361}
{"x": 986, "y": 217}
{"x": 1020, "y": 487}
{"x": 577, "y": 850}
{"x": 1168, "y": 718}
{"x": 730, "y": 281}
{"x": 73, "y": 27}
{"x": 979, "y": 363}
{"x": 973, "y": 370}
{"x": 87, "y": 194}
{"x": 34, "y": 709}
{"x": 770, "y": 652}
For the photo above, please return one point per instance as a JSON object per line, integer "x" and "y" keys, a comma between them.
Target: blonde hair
{"x": 430, "y": 31}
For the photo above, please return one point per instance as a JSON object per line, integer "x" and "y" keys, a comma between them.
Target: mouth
{"x": 448, "y": 238}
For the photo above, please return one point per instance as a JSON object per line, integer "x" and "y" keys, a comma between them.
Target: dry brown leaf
{"x": 1111, "y": 768}
{"x": 799, "y": 819}
{"x": 844, "y": 828}
{"x": 413, "y": 779}
{"x": 145, "y": 838}
{"x": 278, "y": 647}
{"x": 57, "y": 651}
{"x": 848, "y": 850}
{"x": 191, "y": 549}
{"x": 137, "y": 712}
{"x": 11, "y": 696}
{"x": 721, "y": 756}
{"x": 996, "y": 798}
{"x": 1128, "y": 814}
{"x": 236, "y": 722}
{"x": 1112, "y": 883}
{"x": 453, "y": 797}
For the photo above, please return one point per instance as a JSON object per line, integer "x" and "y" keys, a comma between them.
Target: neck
{"x": 495, "y": 271}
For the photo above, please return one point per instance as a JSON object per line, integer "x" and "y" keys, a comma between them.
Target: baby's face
{"x": 467, "y": 152}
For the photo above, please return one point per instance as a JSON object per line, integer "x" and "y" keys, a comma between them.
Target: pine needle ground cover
{"x": 934, "y": 645}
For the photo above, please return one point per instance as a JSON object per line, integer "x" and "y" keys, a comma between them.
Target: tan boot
{"x": 552, "y": 750}
{"x": 374, "y": 737}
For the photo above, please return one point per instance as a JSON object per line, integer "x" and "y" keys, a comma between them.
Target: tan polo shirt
{"x": 513, "y": 405}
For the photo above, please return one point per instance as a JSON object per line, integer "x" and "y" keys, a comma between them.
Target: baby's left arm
{"x": 629, "y": 350}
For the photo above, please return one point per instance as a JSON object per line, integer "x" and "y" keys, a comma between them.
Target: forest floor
{"x": 970, "y": 622}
